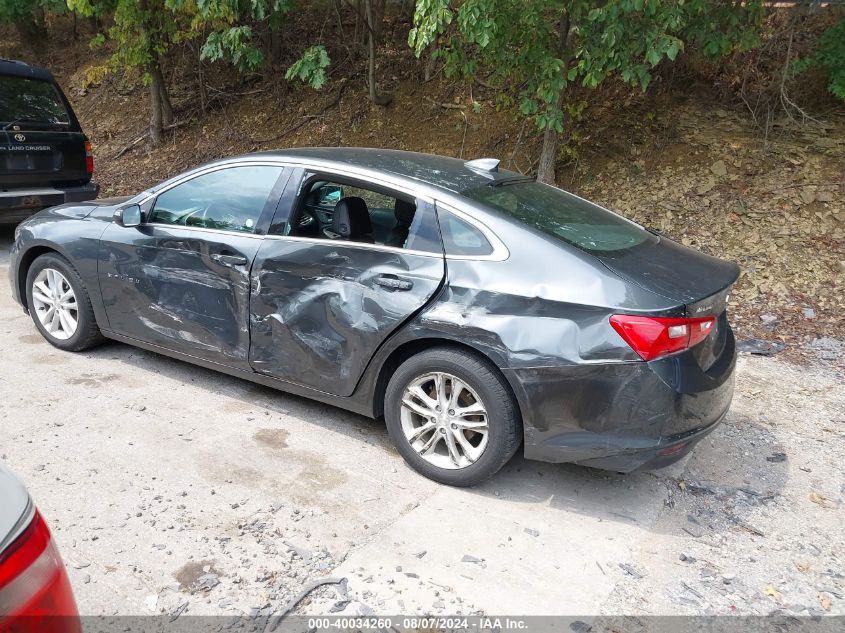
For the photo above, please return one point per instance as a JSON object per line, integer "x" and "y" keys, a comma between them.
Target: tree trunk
{"x": 430, "y": 62}
{"x": 371, "y": 55}
{"x": 40, "y": 21}
{"x": 548, "y": 157}
{"x": 275, "y": 47}
{"x": 167, "y": 117}
{"x": 360, "y": 27}
{"x": 166, "y": 107}
{"x": 375, "y": 97}
{"x": 376, "y": 20}
{"x": 546, "y": 170}
{"x": 201, "y": 83}
{"x": 156, "y": 127}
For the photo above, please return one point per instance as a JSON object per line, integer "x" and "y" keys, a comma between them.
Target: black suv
{"x": 45, "y": 159}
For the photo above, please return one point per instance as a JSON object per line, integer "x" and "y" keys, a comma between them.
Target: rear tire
{"x": 451, "y": 416}
{"x": 59, "y": 304}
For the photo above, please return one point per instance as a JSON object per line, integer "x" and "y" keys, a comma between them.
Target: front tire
{"x": 59, "y": 304}
{"x": 451, "y": 416}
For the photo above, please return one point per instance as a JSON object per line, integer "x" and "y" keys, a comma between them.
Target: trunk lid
{"x": 700, "y": 282}
{"x": 710, "y": 349}
{"x": 673, "y": 271}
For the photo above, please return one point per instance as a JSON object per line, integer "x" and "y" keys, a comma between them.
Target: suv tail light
{"x": 89, "y": 158}
{"x": 653, "y": 337}
{"x": 35, "y": 593}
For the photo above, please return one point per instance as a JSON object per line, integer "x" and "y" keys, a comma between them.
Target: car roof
{"x": 17, "y": 68}
{"x": 443, "y": 172}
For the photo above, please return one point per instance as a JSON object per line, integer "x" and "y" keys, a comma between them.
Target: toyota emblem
{"x": 20, "y": 138}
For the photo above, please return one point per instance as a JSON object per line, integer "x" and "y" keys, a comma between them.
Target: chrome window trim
{"x": 209, "y": 170}
{"x": 388, "y": 183}
{"x": 500, "y": 251}
{"x": 203, "y": 172}
{"x": 336, "y": 243}
{"x": 421, "y": 192}
{"x": 201, "y": 229}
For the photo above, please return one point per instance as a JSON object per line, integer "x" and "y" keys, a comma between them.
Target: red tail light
{"x": 653, "y": 337}
{"x": 89, "y": 158}
{"x": 35, "y": 593}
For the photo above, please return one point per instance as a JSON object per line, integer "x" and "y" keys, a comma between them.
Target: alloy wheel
{"x": 55, "y": 304}
{"x": 444, "y": 420}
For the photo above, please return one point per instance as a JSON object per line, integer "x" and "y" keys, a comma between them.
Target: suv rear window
{"x": 563, "y": 216}
{"x": 31, "y": 101}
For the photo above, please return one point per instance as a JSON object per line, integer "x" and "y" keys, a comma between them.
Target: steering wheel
{"x": 184, "y": 219}
{"x": 307, "y": 222}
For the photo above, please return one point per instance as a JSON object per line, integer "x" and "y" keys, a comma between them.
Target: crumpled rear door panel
{"x": 320, "y": 309}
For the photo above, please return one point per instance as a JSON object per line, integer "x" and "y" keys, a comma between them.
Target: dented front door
{"x": 181, "y": 288}
{"x": 181, "y": 279}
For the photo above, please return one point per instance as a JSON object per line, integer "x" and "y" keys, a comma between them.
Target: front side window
{"x": 31, "y": 102}
{"x": 353, "y": 212}
{"x": 563, "y": 216}
{"x": 230, "y": 199}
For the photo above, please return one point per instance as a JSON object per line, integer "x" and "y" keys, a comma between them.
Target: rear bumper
{"x": 18, "y": 204}
{"x": 623, "y": 416}
{"x": 669, "y": 451}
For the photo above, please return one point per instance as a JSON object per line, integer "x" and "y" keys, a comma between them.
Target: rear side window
{"x": 230, "y": 199}
{"x": 423, "y": 234}
{"x": 563, "y": 216}
{"x": 383, "y": 217}
{"x": 460, "y": 238}
{"x": 31, "y": 101}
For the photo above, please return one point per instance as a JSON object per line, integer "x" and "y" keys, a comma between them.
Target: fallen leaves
{"x": 821, "y": 500}
{"x": 773, "y": 593}
{"x": 824, "y": 601}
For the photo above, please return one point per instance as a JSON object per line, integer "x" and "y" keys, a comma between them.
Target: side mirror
{"x": 128, "y": 217}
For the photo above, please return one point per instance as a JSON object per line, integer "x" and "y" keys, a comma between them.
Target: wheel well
{"x": 412, "y": 348}
{"x": 23, "y": 269}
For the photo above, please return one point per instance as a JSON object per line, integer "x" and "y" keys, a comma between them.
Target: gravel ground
{"x": 172, "y": 489}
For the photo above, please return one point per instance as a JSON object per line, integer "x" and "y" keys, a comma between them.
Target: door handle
{"x": 229, "y": 260}
{"x": 392, "y": 282}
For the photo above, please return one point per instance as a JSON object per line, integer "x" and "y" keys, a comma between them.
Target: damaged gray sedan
{"x": 472, "y": 308}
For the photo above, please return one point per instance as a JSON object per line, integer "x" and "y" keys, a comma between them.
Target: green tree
{"x": 373, "y": 18}
{"x": 829, "y": 55}
{"x": 229, "y": 28}
{"x": 311, "y": 67}
{"x": 143, "y": 31}
{"x": 29, "y": 16}
{"x": 538, "y": 48}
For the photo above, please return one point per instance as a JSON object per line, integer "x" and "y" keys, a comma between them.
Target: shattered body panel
{"x": 331, "y": 319}
{"x": 164, "y": 287}
{"x": 318, "y": 313}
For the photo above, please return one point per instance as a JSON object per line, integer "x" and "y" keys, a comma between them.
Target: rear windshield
{"x": 563, "y": 216}
{"x": 31, "y": 102}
